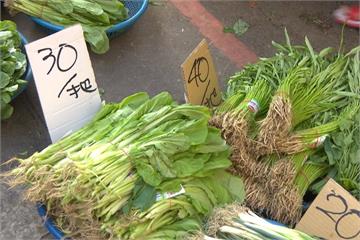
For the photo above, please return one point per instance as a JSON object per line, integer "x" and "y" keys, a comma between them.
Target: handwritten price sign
{"x": 201, "y": 82}
{"x": 65, "y": 80}
{"x": 334, "y": 214}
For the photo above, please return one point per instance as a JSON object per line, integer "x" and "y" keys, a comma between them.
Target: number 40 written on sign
{"x": 199, "y": 74}
{"x": 72, "y": 89}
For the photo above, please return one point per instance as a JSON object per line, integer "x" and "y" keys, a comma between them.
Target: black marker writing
{"x": 200, "y": 75}
{"x": 341, "y": 215}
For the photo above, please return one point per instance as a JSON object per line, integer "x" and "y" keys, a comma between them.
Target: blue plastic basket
{"x": 59, "y": 235}
{"x": 136, "y": 9}
{"x": 49, "y": 224}
{"x": 28, "y": 73}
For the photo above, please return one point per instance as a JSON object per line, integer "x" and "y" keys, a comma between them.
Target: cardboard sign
{"x": 201, "y": 81}
{"x": 335, "y": 214}
{"x": 64, "y": 80}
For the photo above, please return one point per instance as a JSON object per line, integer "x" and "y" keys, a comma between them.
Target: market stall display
{"x": 15, "y": 71}
{"x": 151, "y": 168}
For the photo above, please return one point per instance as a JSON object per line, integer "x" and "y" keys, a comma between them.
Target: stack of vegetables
{"x": 143, "y": 168}
{"x": 235, "y": 221}
{"x": 95, "y": 16}
{"x": 13, "y": 66}
{"x": 342, "y": 148}
{"x": 276, "y": 115}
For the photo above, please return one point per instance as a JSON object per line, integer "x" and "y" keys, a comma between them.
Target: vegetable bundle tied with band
{"x": 144, "y": 167}
{"x": 13, "y": 66}
{"x": 95, "y": 16}
{"x": 276, "y": 115}
{"x": 237, "y": 222}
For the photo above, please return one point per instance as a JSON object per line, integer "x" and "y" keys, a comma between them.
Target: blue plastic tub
{"x": 58, "y": 235}
{"x": 136, "y": 9}
{"x": 49, "y": 224}
{"x": 28, "y": 73}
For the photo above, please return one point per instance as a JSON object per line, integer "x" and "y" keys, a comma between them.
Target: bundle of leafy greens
{"x": 308, "y": 95}
{"x": 13, "y": 66}
{"x": 237, "y": 222}
{"x": 341, "y": 148}
{"x": 143, "y": 167}
{"x": 95, "y": 16}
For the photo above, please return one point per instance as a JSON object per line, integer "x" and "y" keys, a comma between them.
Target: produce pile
{"x": 95, "y": 16}
{"x": 236, "y": 222}
{"x": 13, "y": 66}
{"x": 277, "y": 115}
{"x": 142, "y": 168}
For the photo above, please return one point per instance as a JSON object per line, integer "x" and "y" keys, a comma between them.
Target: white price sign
{"x": 65, "y": 80}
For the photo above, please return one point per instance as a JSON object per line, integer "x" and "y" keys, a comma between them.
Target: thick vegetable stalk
{"x": 94, "y": 16}
{"x": 237, "y": 222}
{"x": 128, "y": 153}
{"x": 318, "y": 94}
{"x": 277, "y": 122}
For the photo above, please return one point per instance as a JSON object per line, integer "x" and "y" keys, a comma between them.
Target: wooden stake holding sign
{"x": 200, "y": 77}
{"x": 335, "y": 214}
{"x": 65, "y": 80}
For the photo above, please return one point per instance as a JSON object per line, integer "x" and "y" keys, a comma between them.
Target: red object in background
{"x": 348, "y": 15}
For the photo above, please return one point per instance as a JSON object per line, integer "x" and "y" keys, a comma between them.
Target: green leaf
{"x": 163, "y": 164}
{"x": 216, "y": 161}
{"x": 355, "y": 156}
{"x": 199, "y": 199}
{"x": 97, "y": 38}
{"x": 143, "y": 197}
{"x": 64, "y": 6}
{"x": 12, "y": 88}
{"x": 148, "y": 173}
{"x": 234, "y": 185}
{"x": 5, "y": 97}
{"x": 189, "y": 163}
{"x": 6, "y": 111}
{"x": 196, "y": 130}
{"x": 4, "y": 80}
{"x": 228, "y": 30}
{"x": 240, "y": 27}
{"x": 173, "y": 185}
{"x": 8, "y": 67}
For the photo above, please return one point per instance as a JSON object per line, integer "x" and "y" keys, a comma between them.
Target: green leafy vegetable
{"x": 13, "y": 66}
{"x": 95, "y": 16}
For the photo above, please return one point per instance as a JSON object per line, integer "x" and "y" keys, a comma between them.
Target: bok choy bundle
{"x": 95, "y": 16}
{"x": 143, "y": 167}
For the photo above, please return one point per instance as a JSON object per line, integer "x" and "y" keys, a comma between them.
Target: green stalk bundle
{"x": 100, "y": 180}
{"x": 272, "y": 153}
{"x": 319, "y": 94}
{"x": 237, "y": 222}
{"x": 95, "y": 16}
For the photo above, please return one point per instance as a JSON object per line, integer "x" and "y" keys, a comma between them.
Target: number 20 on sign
{"x": 334, "y": 214}
{"x": 200, "y": 78}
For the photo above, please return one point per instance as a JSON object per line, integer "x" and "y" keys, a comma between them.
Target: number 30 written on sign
{"x": 72, "y": 89}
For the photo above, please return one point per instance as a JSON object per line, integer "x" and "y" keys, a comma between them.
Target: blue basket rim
{"x": 27, "y": 76}
{"x": 59, "y": 235}
{"x": 115, "y": 28}
{"x": 48, "y": 223}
